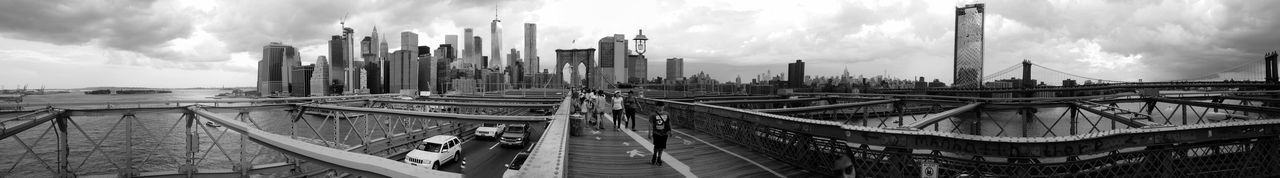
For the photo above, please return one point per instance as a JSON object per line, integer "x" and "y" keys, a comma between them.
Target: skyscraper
{"x": 409, "y": 42}
{"x": 968, "y": 47}
{"x": 452, "y": 40}
{"x": 275, "y": 68}
{"x": 320, "y": 78}
{"x": 424, "y": 69}
{"x": 795, "y": 73}
{"x": 478, "y": 52}
{"x": 495, "y": 36}
{"x": 300, "y": 83}
{"x": 337, "y": 62}
{"x": 675, "y": 69}
{"x": 513, "y": 68}
{"x": 404, "y": 71}
{"x": 531, "y": 48}
{"x": 637, "y": 69}
{"x": 468, "y": 57}
{"x": 613, "y": 55}
{"x": 348, "y": 47}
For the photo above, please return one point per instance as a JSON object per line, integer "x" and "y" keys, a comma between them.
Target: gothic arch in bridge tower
{"x": 575, "y": 58}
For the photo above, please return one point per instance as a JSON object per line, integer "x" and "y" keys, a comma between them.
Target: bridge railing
{"x": 1211, "y": 149}
{"x": 300, "y": 139}
{"x": 135, "y": 142}
{"x": 549, "y": 156}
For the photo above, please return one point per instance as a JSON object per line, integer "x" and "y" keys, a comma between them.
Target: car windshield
{"x": 430, "y": 147}
{"x": 488, "y": 125}
{"x": 515, "y": 129}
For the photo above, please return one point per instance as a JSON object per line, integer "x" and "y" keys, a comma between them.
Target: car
{"x": 489, "y": 130}
{"x": 435, "y": 151}
{"x": 516, "y": 163}
{"x": 515, "y": 135}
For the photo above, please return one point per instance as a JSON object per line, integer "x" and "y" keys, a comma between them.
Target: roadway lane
{"x": 485, "y": 158}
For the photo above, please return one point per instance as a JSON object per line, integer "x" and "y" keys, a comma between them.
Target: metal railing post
{"x": 64, "y": 151}
{"x": 127, "y": 170}
{"x": 193, "y": 145}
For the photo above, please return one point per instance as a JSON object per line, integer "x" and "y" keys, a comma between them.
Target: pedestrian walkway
{"x": 715, "y": 157}
{"x": 611, "y": 153}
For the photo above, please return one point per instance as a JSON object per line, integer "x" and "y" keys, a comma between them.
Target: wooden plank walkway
{"x": 608, "y": 153}
{"x": 710, "y": 156}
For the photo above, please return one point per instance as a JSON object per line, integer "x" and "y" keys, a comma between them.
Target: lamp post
{"x": 640, "y": 44}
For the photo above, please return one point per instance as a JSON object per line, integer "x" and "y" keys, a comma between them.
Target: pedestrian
{"x": 630, "y": 105}
{"x": 618, "y": 118}
{"x": 588, "y": 109}
{"x": 602, "y": 106}
{"x": 661, "y": 129}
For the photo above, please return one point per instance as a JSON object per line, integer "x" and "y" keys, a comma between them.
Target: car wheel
{"x": 435, "y": 165}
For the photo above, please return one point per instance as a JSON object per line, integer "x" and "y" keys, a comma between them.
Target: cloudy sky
{"x": 71, "y": 44}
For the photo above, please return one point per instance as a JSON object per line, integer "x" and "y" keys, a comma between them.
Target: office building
{"x": 968, "y": 47}
{"x": 514, "y": 69}
{"x": 409, "y": 42}
{"x": 468, "y": 57}
{"x": 795, "y": 73}
{"x": 337, "y": 60}
{"x": 613, "y": 55}
{"x": 675, "y": 70}
{"x": 531, "y": 48}
{"x": 495, "y": 36}
{"x": 425, "y": 69}
{"x": 300, "y": 83}
{"x": 637, "y": 69}
{"x": 275, "y": 69}
{"x": 478, "y": 53}
{"x": 404, "y": 71}
{"x": 320, "y": 77}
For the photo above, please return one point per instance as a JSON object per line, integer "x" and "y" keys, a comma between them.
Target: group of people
{"x": 595, "y": 104}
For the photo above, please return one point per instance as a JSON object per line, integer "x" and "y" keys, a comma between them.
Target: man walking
{"x": 661, "y": 127}
{"x": 631, "y": 104}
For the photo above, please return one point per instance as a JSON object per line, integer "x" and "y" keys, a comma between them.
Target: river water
{"x": 158, "y": 140}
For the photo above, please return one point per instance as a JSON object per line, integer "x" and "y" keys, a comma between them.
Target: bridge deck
{"x": 705, "y": 156}
{"x": 604, "y": 154}
{"x": 710, "y": 156}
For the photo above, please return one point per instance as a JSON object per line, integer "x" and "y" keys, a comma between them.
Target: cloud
{"x": 138, "y": 26}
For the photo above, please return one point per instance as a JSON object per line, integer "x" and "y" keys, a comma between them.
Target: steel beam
{"x": 495, "y": 100}
{"x": 942, "y": 115}
{"x": 824, "y": 107}
{"x": 430, "y": 115}
{"x": 1256, "y": 109}
{"x": 355, "y": 163}
{"x": 1129, "y": 121}
{"x": 38, "y": 117}
{"x": 471, "y": 104}
{"x": 792, "y": 100}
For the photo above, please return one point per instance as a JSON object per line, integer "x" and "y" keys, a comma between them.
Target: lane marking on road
{"x": 494, "y": 145}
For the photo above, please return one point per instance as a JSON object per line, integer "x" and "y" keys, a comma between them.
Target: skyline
{"x": 219, "y": 44}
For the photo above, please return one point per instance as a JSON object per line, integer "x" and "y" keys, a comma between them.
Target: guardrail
{"x": 549, "y": 155}
{"x": 879, "y": 152}
{"x": 201, "y": 101}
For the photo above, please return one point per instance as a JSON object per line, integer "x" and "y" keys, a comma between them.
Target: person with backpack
{"x": 661, "y": 130}
{"x": 630, "y": 107}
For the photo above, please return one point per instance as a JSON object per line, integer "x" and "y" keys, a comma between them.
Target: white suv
{"x": 435, "y": 151}
{"x": 490, "y": 130}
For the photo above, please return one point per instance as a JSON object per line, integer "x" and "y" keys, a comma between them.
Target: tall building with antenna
{"x": 495, "y": 49}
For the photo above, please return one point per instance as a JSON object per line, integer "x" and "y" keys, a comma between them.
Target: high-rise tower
{"x": 468, "y": 57}
{"x": 968, "y": 48}
{"x": 531, "y": 48}
{"x": 495, "y": 49}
